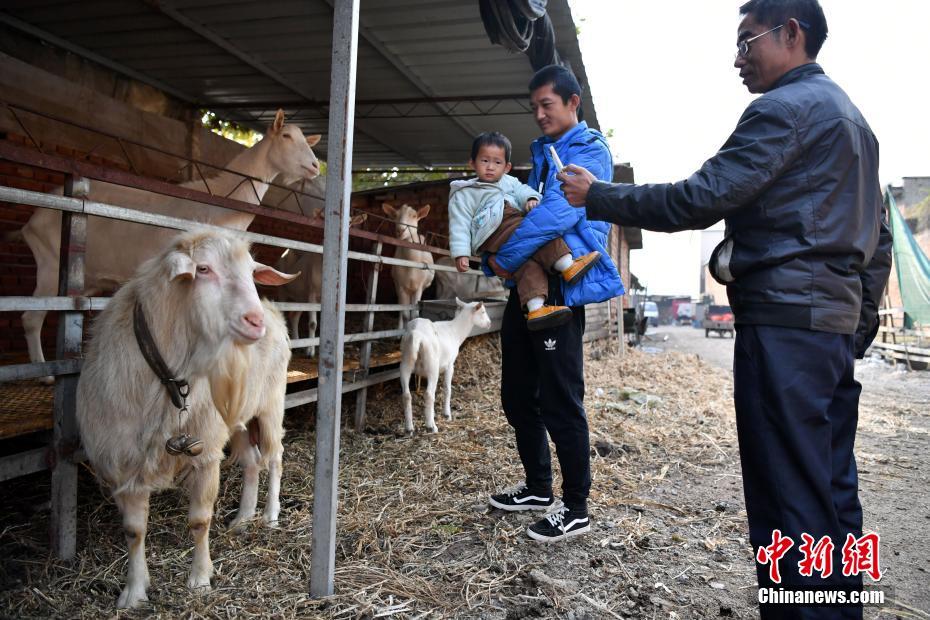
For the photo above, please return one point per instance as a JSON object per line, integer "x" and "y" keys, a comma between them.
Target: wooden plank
{"x": 902, "y": 352}
{"x": 904, "y": 348}
{"x": 23, "y": 463}
{"x": 20, "y": 372}
{"x": 361, "y": 398}
{"x": 304, "y": 369}
{"x": 65, "y": 439}
{"x": 310, "y": 396}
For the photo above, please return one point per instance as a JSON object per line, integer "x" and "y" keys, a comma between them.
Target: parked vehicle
{"x": 718, "y": 319}
{"x": 651, "y": 312}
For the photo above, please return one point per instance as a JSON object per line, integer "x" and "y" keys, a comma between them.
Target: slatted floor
{"x": 26, "y": 406}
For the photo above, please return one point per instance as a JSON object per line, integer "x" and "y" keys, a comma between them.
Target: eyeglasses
{"x": 742, "y": 48}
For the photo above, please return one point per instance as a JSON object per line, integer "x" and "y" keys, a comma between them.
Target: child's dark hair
{"x": 491, "y": 138}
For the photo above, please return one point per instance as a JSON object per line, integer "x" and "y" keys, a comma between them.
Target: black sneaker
{"x": 559, "y": 525}
{"x": 519, "y": 498}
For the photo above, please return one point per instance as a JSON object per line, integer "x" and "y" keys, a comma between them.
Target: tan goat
{"x": 409, "y": 282}
{"x": 116, "y": 248}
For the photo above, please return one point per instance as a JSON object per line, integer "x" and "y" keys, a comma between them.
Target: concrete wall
{"x": 915, "y": 189}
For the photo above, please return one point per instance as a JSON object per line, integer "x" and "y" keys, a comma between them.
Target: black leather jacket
{"x": 806, "y": 243}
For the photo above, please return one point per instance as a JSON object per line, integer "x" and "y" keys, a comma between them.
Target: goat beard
{"x": 228, "y": 383}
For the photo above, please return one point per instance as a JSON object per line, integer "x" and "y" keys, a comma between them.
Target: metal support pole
{"x": 361, "y": 400}
{"x": 64, "y": 431}
{"x": 335, "y": 257}
{"x": 620, "y": 339}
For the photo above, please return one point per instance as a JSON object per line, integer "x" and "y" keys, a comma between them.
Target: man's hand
{"x": 497, "y": 269}
{"x": 576, "y": 181}
{"x": 532, "y": 202}
{"x": 461, "y": 263}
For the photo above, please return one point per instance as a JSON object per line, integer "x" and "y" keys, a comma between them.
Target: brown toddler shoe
{"x": 580, "y": 266}
{"x": 548, "y": 316}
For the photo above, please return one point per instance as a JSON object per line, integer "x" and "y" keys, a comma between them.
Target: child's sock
{"x": 563, "y": 263}
{"x": 535, "y": 304}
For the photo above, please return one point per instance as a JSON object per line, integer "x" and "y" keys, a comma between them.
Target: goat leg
{"x": 203, "y": 484}
{"x": 135, "y": 510}
{"x": 247, "y": 455}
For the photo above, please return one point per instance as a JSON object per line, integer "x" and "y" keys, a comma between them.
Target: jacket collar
{"x": 539, "y": 143}
{"x": 568, "y": 136}
{"x": 797, "y": 74}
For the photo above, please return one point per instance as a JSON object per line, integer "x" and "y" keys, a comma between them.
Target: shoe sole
{"x": 517, "y": 507}
{"x": 581, "y": 272}
{"x": 547, "y": 539}
{"x": 554, "y": 319}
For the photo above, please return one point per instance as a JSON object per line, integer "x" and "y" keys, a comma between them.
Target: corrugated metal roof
{"x": 428, "y": 77}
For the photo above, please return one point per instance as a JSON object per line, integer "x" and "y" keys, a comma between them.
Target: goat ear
{"x": 269, "y": 276}
{"x": 278, "y": 121}
{"x": 422, "y": 212}
{"x": 479, "y": 306}
{"x": 389, "y": 209}
{"x": 358, "y": 219}
{"x": 314, "y": 139}
{"x": 182, "y": 266}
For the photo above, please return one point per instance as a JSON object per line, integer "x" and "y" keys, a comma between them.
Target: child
{"x": 484, "y": 212}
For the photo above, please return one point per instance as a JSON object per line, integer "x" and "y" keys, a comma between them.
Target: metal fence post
{"x": 332, "y": 329}
{"x": 361, "y": 400}
{"x": 620, "y": 339}
{"x": 64, "y": 431}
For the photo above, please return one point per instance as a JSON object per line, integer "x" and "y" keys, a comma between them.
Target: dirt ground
{"x": 417, "y": 540}
{"x": 892, "y": 451}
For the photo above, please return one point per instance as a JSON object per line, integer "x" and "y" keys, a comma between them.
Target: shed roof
{"x": 428, "y": 78}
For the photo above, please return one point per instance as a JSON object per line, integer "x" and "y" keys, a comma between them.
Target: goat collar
{"x": 178, "y": 389}
{"x": 413, "y": 232}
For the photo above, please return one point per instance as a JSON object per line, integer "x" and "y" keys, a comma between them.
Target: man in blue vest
{"x": 542, "y": 373}
{"x": 805, "y": 258}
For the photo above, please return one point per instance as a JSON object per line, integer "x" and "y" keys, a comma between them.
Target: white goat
{"x": 309, "y": 284}
{"x": 200, "y": 303}
{"x": 116, "y": 248}
{"x": 429, "y": 348}
{"x": 409, "y": 282}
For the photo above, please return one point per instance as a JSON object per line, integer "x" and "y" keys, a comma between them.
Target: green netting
{"x": 913, "y": 269}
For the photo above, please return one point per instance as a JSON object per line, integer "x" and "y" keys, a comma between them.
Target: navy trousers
{"x": 542, "y": 389}
{"x": 796, "y": 414}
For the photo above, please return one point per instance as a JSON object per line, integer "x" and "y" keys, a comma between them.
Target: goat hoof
{"x": 432, "y": 429}
{"x": 131, "y": 597}
{"x": 271, "y": 524}
{"x": 238, "y": 525}
{"x": 199, "y": 584}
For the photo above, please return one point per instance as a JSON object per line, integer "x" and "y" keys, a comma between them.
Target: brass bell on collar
{"x": 184, "y": 444}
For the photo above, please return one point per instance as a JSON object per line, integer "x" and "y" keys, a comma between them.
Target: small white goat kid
{"x": 428, "y": 348}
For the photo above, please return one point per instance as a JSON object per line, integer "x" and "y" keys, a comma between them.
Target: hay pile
{"x": 416, "y": 539}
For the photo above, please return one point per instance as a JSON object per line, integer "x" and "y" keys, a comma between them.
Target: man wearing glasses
{"x": 805, "y": 258}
